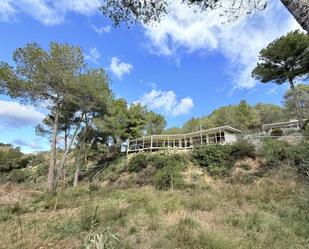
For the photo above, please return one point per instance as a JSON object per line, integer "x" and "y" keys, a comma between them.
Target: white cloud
{"x": 239, "y": 41}
{"x": 101, "y": 30}
{"x": 272, "y": 91}
{"x": 166, "y": 102}
{"x": 33, "y": 144}
{"x": 93, "y": 56}
{"x": 120, "y": 68}
{"x": 15, "y": 115}
{"x": 7, "y": 12}
{"x": 46, "y": 11}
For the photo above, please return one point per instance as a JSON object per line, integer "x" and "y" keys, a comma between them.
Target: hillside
{"x": 166, "y": 201}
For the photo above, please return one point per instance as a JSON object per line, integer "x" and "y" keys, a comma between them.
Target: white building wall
{"x": 230, "y": 137}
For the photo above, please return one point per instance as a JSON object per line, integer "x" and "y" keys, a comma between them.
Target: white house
{"x": 222, "y": 135}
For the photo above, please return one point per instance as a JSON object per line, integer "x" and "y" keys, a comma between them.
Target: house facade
{"x": 291, "y": 125}
{"x": 220, "y": 135}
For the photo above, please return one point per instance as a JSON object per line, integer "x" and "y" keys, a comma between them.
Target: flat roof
{"x": 216, "y": 129}
{"x": 281, "y": 123}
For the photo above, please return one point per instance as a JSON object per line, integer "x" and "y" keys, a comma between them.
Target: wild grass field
{"x": 268, "y": 212}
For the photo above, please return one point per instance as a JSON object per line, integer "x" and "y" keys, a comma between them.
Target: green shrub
{"x": 19, "y": 175}
{"x": 137, "y": 163}
{"x": 274, "y": 152}
{"x": 42, "y": 169}
{"x": 10, "y": 158}
{"x": 306, "y": 132}
{"x": 160, "y": 160}
{"x": 168, "y": 177}
{"x": 157, "y": 160}
{"x": 242, "y": 149}
{"x": 300, "y": 158}
{"x": 214, "y": 157}
{"x": 276, "y": 132}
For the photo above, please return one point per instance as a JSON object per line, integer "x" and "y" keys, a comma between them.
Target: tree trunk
{"x": 65, "y": 139}
{"x": 81, "y": 151}
{"x": 78, "y": 161}
{"x": 53, "y": 155}
{"x": 300, "y": 10}
{"x": 66, "y": 152}
{"x": 296, "y": 104}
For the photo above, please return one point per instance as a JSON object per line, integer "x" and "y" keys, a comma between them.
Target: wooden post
{"x": 207, "y": 139}
{"x": 151, "y": 140}
{"x": 128, "y": 146}
{"x": 168, "y": 141}
{"x": 143, "y": 143}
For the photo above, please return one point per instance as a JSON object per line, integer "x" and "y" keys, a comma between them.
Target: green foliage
{"x": 242, "y": 149}
{"x": 242, "y": 116}
{"x": 274, "y": 152}
{"x": 155, "y": 123}
{"x": 306, "y": 132}
{"x": 12, "y": 158}
{"x": 284, "y": 59}
{"x": 169, "y": 177}
{"x": 301, "y": 94}
{"x": 214, "y": 157}
{"x": 19, "y": 175}
{"x": 276, "y": 132}
{"x": 300, "y": 157}
{"x": 270, "y": 113}
{"x": 159, "y": 161}
{"x": 137, "y": 163}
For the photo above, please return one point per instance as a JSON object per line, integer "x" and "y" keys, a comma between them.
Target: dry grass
{"x": 271, "y": 212}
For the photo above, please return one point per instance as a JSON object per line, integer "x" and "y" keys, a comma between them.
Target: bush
{"x": 10, "y": 158}
{"x": 160, "y": 160}
{"x": 242, "y": 149}
{"x": 215, "y": 158}
{"x": 306, "y": 132}
{"x": 274, "y": 152}
{"x": 276, "y": 132}
{"x": 137, "y": 163}
{"x": 169, "y": 177}
{"x": 19, "y": 175}
{"x": 300, "y": 157}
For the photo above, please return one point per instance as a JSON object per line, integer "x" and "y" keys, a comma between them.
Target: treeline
{"x": 12, "y": 158}
{"x": 247, "y": 117}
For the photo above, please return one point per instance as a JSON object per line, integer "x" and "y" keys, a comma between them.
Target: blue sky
{"x": 186, "y": 66}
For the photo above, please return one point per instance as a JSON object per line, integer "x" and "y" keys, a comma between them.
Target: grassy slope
{"x": 272, "y": 212}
